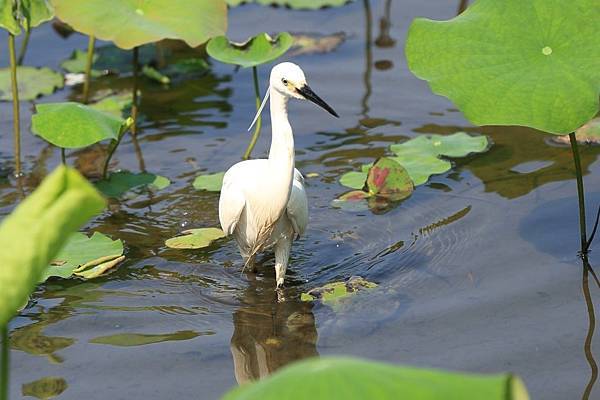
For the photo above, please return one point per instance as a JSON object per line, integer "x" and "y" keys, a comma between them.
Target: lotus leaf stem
{"x": 580, "y": 193}
{"x": 24, "y": 44}
{"x": 63, "y": 156}
{"x": 256, "y": 133}
{"x": 114, "y": 144}
{"x": 134, "y": 101}
{"x": 15, "y": 101}
{"x": 88, "y": 69}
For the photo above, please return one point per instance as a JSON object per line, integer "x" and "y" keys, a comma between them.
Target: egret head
{"x": 288, "y": 80}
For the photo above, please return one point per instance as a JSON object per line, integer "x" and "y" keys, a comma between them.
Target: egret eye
{"x": 285, "y": 82}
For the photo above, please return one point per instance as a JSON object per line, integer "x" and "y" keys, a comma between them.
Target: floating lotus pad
{"x": 86, "y": 257}
{"x": 354, "y": 379}
{"x": 195, "y": 238}
{"x": 133, "y": 23}
{"x": 420, "y": 156}
{"x": 122, "y": 182}
{"x": 257, "y": 50}
{"x": 74, "y": 125}
{"x": 531, "y": 63}
{"x": 33, "y": 82}
{"x": 333, "y": 292}
{"x": 295, "y": 4}
{"x": 211, "y": 182}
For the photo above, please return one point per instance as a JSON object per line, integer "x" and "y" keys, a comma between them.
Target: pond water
{"x": 477, "y": 270}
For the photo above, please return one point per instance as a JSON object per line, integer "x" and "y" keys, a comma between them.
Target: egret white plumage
{"x": 263, "y": 202}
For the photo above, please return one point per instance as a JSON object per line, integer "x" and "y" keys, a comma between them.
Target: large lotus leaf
{"x": 130, "y": 23}
{"x": 36, "y": 12}
{"x": 533, "y": 63}
{"x": 119, "y": 183}
{"x": 257, "y": 50}
{"x": 295, "y": 4}
{"x": 34, "y": 232}
{"x": 210, "y": 182}
{"x": 73, "y": 125}
{"x": 7, "y": 16}
{"x": 33, "y": 82}
{"x": 195, "y": 238}
{"x": 82, "y": 253}
{"x": 354, "y": 379}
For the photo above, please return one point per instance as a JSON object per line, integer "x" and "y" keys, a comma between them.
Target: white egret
{"x": 263, "y": 203}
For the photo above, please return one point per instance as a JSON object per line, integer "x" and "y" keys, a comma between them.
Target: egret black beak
{"x": 308, "y": 94}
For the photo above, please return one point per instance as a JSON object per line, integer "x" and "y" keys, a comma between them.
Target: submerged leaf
{"x": 532, "y": 63}
{"x": 315, "y": 43}
{"x": 33, "y": 82}
{"x": 132, "y": 23}
{"x": 195, "y": 238}
{"x": 210, "y": 182}
{"x": 353, "y": 379}
{"x": 333, "y": 292}
{"x": 141, "y": 339}
{"x": 44, "y": 220}
{"x": 257, "y": 50}
{"x": 119, "y": 183}
{"x": 45, "y": 388}
{"x": 73, "y": 125}
{"x": 82, "y": 254}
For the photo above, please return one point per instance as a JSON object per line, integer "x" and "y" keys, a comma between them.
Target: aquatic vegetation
{"x": 349, "y": 378}
{"x": 257, "y": 50}
{"x": 45, "y": 388}
{"x": 85, "y": 257}
{"x": 195, "y": 238}
{"x": 333, "y": 293}
{"x": 210, "y": 182}
{"x": 295, "y": 4}
{"x": 121, "y": 183}
{"x": 522, "y": 78}
{"x": 315, "y": 43}
{"x": 33, "y": 82}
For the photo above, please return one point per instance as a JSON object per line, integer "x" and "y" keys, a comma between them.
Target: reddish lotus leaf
{"x": 387, "y": 178}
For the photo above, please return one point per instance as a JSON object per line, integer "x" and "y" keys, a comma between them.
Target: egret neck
{"x": 281, "y": 154}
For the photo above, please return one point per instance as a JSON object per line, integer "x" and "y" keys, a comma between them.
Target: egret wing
{"x": 231, "y": 203}
{"x": 297, "y": 208}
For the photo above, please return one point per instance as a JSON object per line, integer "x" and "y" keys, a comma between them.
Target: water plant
{"x": 255, "y": 51}
{"x": 16, "y": 16}
{"x": 350, "y": 378}
{"x": 60, "y": 205}
{"x": 533, "y": 64}
{"x": 295, "y": 4}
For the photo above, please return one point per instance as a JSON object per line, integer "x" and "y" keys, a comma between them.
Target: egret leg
{"x": 248, "y": 262}
{"x": 282, "y": 256}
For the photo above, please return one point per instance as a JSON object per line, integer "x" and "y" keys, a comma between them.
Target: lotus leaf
{"x": 257, "y": 50}
{"x": 33, "y": 82}
{"x": 195, "y": 238}
{"x": 333, "y": 292}
{"x": 131, "y": 23}
{"x": 28, "y": 13}
{"x": 114, "y": 104}
{"x": 45, "y": 388}
{"x": 211, "y": 182}
{"x": 119, "y": 183}
{"x": 60, "y": 205}
{"x": 74, "y": 125}
{"x": 353, "y": 379}
{"x": 531, "y": 63}
{"x": 142, "y": 339}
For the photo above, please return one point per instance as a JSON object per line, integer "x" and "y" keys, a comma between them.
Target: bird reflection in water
{"x": 269, "y": 334}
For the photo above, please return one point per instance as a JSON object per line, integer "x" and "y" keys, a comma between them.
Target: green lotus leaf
{"x": 355, "y": 179}
{"x": 210, "y": 182}
{"x": 77, "y": 62}
{"x": 130, "y": 23}
{"x": 36, "y": 12}
{"x": 354, "y": 379}
{"x": 257, "y": 50}
{"x": 82, "y": 253}
{"x": 33, "y": 82}
{"x": 74, "y": 125}
{"x": 420, "y": 155}
{"x": 195, "y": 238}
{"x": 7, "y": 16}
{"x": 333, "y": 292}
{"x": 44, "y": 220}
{"x": 531, "y": 63}
{"x": 119, "y": 183}
{"x": 142, "y": 339}
{"x": 45, "y": 388}
{"x": 295, "y": 4}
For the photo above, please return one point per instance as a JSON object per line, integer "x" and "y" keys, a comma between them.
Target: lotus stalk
{"x": 24, "y": 44}
{"x": 15, "y": 101}
{"x": 88, "y": 69}
{"x": 256, "y": 133}
{"x": 134, "y": 101}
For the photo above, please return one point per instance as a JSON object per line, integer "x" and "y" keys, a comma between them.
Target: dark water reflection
{"x": 477, "y": 270}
